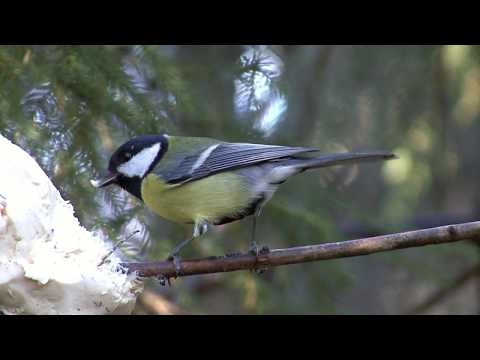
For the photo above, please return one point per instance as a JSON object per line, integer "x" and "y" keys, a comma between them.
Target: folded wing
{"x": 228, "y": 156}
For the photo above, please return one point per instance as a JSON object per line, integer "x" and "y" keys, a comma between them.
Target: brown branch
{"x": 295, "y": 255}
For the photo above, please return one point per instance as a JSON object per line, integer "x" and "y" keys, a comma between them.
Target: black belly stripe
{"x": 249, "y": 210}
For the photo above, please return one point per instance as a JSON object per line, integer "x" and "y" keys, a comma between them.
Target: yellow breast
{"x": 208, "y": 199}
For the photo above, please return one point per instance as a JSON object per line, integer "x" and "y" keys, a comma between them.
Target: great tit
{"x": 204, "y": 181}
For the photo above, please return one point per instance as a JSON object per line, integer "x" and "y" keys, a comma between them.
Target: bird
{"x": 207, "y": 182}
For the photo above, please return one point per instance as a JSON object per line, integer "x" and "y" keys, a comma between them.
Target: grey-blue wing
{"x": 228, "y": 156}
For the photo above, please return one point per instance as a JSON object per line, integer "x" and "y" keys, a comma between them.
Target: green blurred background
{"x": 71, "y": 106}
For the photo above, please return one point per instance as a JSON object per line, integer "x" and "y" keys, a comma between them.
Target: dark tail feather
{"x": 341, "y": 159}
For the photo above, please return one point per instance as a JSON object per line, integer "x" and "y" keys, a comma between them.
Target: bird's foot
{"x": 264, "y": 250}
{"x": 253, "y": 249}
{"x": 176, "y": 261}
{"x": 163, "y": 280}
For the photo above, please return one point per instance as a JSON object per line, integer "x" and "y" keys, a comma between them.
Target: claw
{"x": 264, "y": 250}
{"x": 253, "y": 249}
{"x": 260, "y": 271}
{"x": 163, "y": 280}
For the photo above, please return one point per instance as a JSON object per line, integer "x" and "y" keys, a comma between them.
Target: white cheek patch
{"x": 140, "y": 163}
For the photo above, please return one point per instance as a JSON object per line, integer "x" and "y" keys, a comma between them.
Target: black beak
{"x": 108, "y": 179}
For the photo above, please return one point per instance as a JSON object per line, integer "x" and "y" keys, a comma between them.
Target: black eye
{"x": 128, "y": 156}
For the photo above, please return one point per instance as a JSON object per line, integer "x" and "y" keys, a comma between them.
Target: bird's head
{"x": 132, "y": 161}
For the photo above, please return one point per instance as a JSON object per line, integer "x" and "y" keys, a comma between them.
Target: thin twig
{"x": 115, "y": 247}
{"x": 438, "y": 235}
{"x": 442, "y": 294}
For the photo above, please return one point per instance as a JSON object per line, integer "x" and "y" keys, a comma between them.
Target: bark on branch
{"x": 303, "y": 254}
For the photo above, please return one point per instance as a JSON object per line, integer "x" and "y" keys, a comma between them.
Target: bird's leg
{"x": 253, "y": 248}
{"x": 173, "y": 256}
{"x": 163, "y": 280}
{"x": 198, "y": 230}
